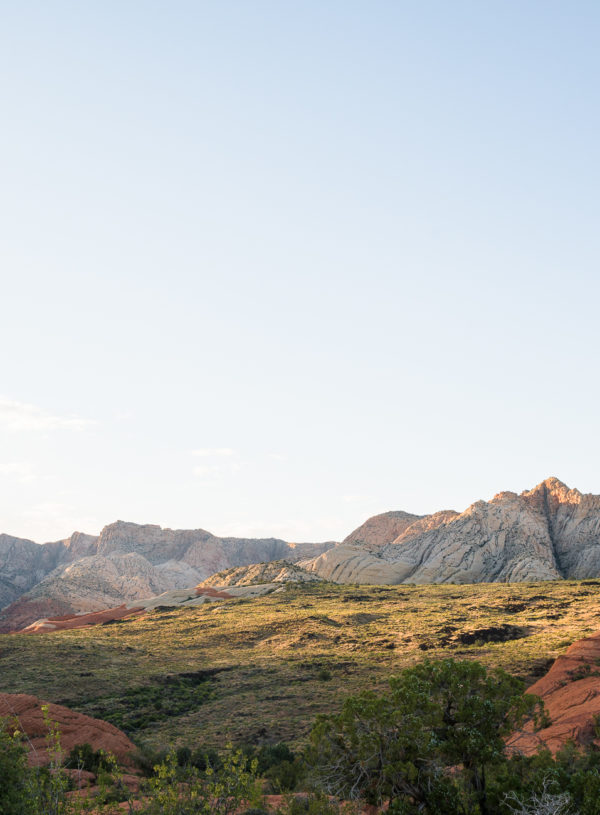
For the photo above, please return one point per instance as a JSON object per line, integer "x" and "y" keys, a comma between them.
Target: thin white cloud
{"x": 19, "y": 471}
{"x": 212, "y": 471}
{"x": 53, "y": 520}
{"x": 277, "y": 457}
{"x": 21, "y": 416}
{"x": 213, "y": 452}
{"x": 219, "y": 462}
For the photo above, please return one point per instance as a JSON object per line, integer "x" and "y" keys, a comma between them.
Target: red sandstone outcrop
{"x": 172, "y": 599}
{"x": 571, "y": 693}
{"x": 68, "y": 621}
{"x": 75, "y": 728}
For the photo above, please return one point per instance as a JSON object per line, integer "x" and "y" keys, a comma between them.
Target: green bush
{"x": 428, "y": 744}
{"x": 14, "y": 782}
{"x": 84, "y": 757}
{"x": 278, "y": 764}
{"x": 177, "y": 791}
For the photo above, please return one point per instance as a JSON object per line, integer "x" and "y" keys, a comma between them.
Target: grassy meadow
{"x": 260, "y": 670}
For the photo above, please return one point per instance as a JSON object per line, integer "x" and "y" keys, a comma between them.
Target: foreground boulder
{"x": 74, "y": 728}
{"x": 571, "y": 693}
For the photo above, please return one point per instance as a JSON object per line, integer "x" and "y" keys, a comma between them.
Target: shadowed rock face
{"x": 124, "y": 563}
{"x": 547, "y": 533}
{"x": 23, "y": 564}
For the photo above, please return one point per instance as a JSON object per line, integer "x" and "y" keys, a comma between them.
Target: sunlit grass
{"x": 288, "y": 656}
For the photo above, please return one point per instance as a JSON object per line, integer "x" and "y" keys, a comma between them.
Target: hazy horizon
{"x": 273, "y": 269}
{"x": 241, "y": 533}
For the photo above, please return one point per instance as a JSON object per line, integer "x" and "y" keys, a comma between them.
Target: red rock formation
{"x": 75, "y": 728}
{"x": 571, "y": 692}
{"x": 49, "y": 624}
{"x": 207, "y": 591}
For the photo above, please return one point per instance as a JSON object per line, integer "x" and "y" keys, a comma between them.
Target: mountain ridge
{"x": 546, "y": 533}
{"x": 549, "y": 532}
{"x": 125, "y": 562}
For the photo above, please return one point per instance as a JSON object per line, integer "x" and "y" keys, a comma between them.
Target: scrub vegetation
{"x": 259, "y": 671}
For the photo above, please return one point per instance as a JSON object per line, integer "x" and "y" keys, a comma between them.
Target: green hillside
{"x": 256, "y": 670}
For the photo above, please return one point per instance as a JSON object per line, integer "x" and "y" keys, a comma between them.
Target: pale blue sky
{"x": 273, "y": 267}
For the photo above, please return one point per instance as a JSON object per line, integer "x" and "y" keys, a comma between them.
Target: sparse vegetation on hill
{"x": 434, "y": 743}
{"x": 271, "y": 664}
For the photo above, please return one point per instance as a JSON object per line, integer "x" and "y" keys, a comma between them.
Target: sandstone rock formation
{"x": 125, "y": 563}
{"x": 23, "y": 564}
{"x": 547, "y": 533}
{"x": 571, "y": 693}
{"x": 75, "y": 729}
{"x": 276, "y": 571}
{"x": 381, "y": 529}
{"x": 169, "y": 599}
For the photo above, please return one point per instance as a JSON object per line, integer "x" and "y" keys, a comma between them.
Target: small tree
{"x": 425, "y": 745}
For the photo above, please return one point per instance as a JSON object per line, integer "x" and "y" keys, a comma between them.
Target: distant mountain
{"x": 125, "y": 562}
{"x": 547, "y": 533}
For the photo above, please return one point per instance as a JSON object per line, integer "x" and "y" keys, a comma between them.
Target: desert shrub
{"x": 13, "y": 771}
{"x": 84, "y": 757}
{"x": 173, "y": 791}
{"x": 184, "y": 756}
{"x": 316, "y": 803}
{"x": 428, "y": 744}
{"x": 286, "y": 776}
{"x": 270, "y": 755}
{"x": 278, "y": 764}
{"x": 146, "y": 758}
{"x": 206, "y": 758}
{"x": 573, "y": 772}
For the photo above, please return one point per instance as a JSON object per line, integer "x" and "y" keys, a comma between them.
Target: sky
{"x": 269, "y": 268}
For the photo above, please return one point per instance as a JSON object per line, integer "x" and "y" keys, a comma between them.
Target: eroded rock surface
{"x": 75, "y": 729}
{"x": 125, "y": 563}
{"x": 571, "y": 693}
{"x": 176, "y": 598}
{"x": 547, "y": 533}
{"x": 277, "y": 571}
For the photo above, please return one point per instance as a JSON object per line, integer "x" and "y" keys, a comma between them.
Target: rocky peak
{"x": 545, "y": 533}
{"x": 150, "y": 540}
{"x": 382, "y": 529}
{"x": 554, "y": 489}
{"x": 81, "y": 545}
